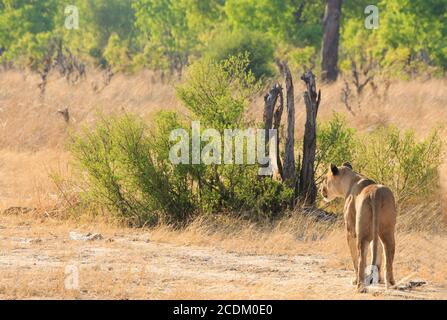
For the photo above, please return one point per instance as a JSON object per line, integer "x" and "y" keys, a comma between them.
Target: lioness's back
{"x": 382, "y": 198}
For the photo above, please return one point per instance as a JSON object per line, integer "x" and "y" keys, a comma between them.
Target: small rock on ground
{"x": 85, "y": 236}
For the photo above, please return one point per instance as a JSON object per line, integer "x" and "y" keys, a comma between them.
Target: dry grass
{"x": 29, "y": 122}
{"x": 32, "y": 138}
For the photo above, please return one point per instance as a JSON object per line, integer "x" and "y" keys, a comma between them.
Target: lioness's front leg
{"x": 349, "y": 216}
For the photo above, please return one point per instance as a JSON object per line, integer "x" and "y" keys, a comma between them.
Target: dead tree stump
{"x": 276, "y": 125}
{"x": 289, "y": 152}
{"x": 307, "y": 189}
{"x": 272, "y": 119}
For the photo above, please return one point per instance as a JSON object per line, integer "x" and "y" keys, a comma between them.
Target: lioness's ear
{"x": 347, "y": 164}
{"x": 334, "y": 169}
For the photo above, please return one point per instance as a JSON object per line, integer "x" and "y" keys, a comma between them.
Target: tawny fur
{"x": 370, "y": 215}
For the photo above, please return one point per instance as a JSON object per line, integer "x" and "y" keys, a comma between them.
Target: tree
{"x": 288, "y": 21}
{"x": 99, "y": 20}
{"x": 410, "y": 39}
{"x": 289, "y": 158}
{"x": 331, "y": 34}
{"x": 170, "y": 30}
{"x": 25, "y": 28}
{"x": 307, "y": 188}
{"x": 116, "y": 54}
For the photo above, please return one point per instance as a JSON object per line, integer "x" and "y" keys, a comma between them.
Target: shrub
{"x": 127, "y": 171}
{"x": 335, "y": 144}
{"x": 217, "y": 93}
{"x": 128, "y": 168}
{"x": 300, "y": 59}
{"x": 255, "y": 44}
{"x": 398, "y": 160}
{"x": 263, "y": 197}
{"x": 387, "y": 155}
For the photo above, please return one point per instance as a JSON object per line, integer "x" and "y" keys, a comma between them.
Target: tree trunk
{"x": 307, "y": 189}
{"x": 276, "y": 125}
{"x": 269, "y": 104}
{"x": 331, "y": 35}
{"x": 270, "y": 100}
{"x": 289, "y": 156}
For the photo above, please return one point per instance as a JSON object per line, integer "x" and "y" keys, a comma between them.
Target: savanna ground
{"x": 219, "y": 258}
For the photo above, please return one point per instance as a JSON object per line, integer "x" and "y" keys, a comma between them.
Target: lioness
{"x": 369, "y": 213}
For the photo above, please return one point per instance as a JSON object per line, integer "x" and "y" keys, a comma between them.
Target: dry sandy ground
{"x": 130, "y": 264}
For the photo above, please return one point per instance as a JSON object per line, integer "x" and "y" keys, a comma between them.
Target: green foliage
{"x": 168, "y": 35}
{"x": 335, "y": 144}
{"x": 128, "y": 172}
{"x": 19, "y": 18}
{"x": 281, "y": 20}
{"x": 24, "y": 23}
{"x": 257, "y": 46}
{"x": 30, "y": 50}
{"x": 218, "y": 92}
{"x": 25, "y": 30}
{"x": 302, "y": 59}
{"x": 410, "y": 38}
{"x": 171, "y": 30}
{"x": 164, "y": 24}
{"x": 106, "y": 17}
{"x": 98, "y": 22}
{"x": 261, "y": 197}
{"x": 117, "y": 53}
{"x": 399, "y": 160}
{"x": 387, "y": 155}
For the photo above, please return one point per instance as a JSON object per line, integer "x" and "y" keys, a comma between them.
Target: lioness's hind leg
{"x": 389, "y": 244}
{"x": 379, "y": 260}
{"x": 380, "y": 255}
{"x": 362, "y": 245}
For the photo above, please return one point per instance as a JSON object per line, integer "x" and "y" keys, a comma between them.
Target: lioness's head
{"x": 334, "y": 184}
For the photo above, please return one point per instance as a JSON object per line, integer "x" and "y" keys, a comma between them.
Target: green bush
{"x": 388, "y": 155}
{"x": 217, "y": 94}
{"x": 257, "y": 45}
{"x": 128, "y": 168}
{"x": 128, "y": 171}
{"x": 397, "y": 159}
{"x": 262, "y": 197}
{"x": 335, "y": 144}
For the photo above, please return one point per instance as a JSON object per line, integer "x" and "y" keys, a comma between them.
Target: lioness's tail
{"x": 375, "y": 227}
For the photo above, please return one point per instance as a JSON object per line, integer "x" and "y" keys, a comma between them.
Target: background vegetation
{"x": 167, "y": 35}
